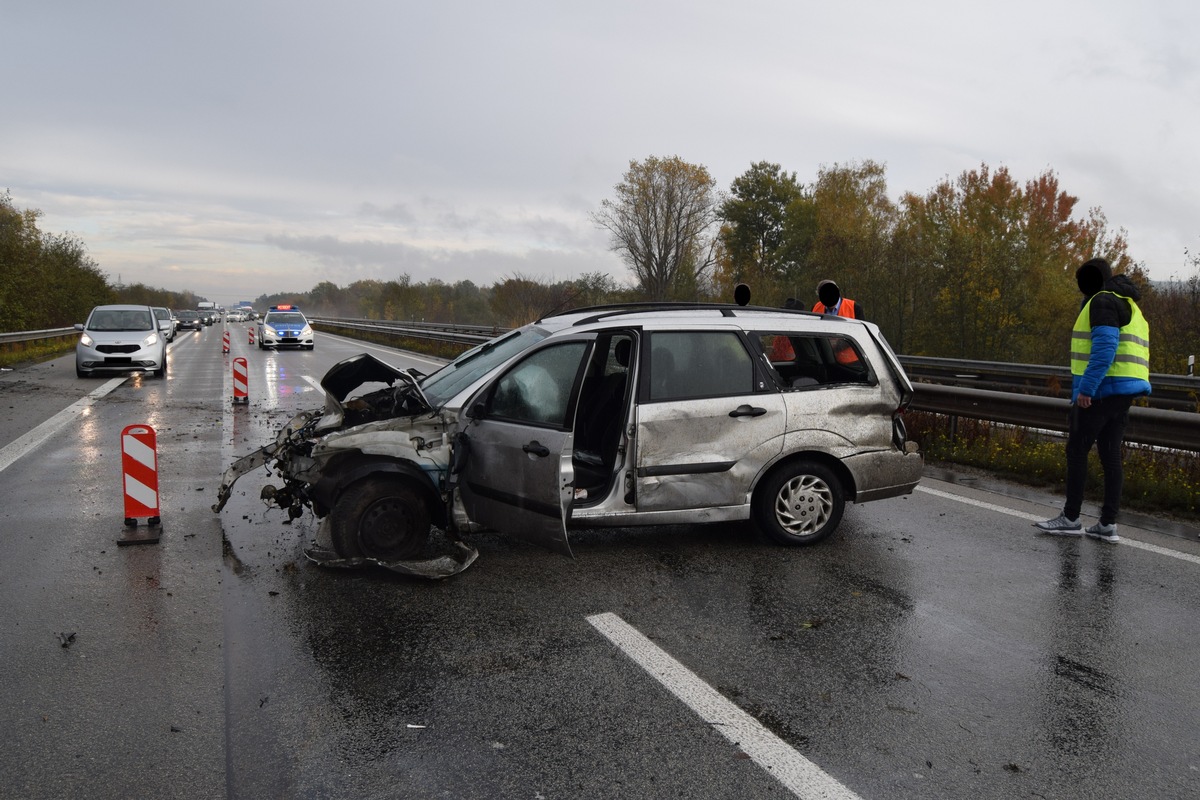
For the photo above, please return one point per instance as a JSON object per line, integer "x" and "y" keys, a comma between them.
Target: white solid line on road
{"x": 802, "y": 777}
{"x": 32, "y": 439}
{"x": 1125, "y": 541}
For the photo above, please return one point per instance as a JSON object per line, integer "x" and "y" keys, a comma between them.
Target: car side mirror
{"x": 477, "y": 411}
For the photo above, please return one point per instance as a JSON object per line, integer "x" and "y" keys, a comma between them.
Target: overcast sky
{"x": 241, "y": 147}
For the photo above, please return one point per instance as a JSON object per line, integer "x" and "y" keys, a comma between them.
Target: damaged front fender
{"x": 262, "y": 456}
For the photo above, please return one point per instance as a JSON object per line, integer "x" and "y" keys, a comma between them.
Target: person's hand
{"x": 1083, "y": 401}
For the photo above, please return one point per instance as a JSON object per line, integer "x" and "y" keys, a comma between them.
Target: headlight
{"x": 86, "y": 340}
{"x": 306, "y": 332}
{"x": 149, "y": 340}
{"x": 267, "y": 329}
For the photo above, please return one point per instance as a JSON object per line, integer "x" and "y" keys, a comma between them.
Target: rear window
{"x": 808, "y": 360}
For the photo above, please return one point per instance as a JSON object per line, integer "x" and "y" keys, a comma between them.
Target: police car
{"x": 284, "y": 326}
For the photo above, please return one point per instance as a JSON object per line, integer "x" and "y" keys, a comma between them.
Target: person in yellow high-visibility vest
{"x": 1110, "y": 365}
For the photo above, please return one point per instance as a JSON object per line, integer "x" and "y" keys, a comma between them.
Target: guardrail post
{"x": 1191, "y": 366}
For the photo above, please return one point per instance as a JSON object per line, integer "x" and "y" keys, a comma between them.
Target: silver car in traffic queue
{"x": 121, "y": 338}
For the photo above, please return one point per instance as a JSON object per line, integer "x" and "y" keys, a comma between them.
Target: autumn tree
{"x": 520, "y": 299}
{"x": 995, "y": 263}
{"x": 1173, "y": 311}
{"x": 756, "y": 246}
{"x": 46, "y": 280}
{"x": 661, "y": 223}
{"x": 853, "y": 219}
{"x": 325, "y": 299}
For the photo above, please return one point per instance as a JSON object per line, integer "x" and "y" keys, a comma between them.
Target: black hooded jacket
{"x": 1096, "y": 276}
{"x": 1111, "y": 311}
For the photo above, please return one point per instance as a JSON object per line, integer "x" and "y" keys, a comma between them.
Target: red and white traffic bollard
{"x": 251, "y": 330}
{"x": 139, "y": 469}
{"x": 240, "y": 382}
{"x": 225, "y": 341}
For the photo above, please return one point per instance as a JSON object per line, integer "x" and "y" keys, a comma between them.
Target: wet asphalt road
{"x": 935, "y": 647}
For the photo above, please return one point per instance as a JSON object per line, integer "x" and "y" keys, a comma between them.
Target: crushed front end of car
{"x": 381, "y": 459}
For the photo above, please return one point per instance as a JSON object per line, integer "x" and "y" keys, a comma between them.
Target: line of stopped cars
{"x": 628, "y": 415}
{"x": 124, "y": 338}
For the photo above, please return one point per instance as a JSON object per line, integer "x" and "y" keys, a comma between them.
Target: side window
{"x": 538, "y": 390}
{"x": 687, "y": 364}
{"x": 802, "y": 360}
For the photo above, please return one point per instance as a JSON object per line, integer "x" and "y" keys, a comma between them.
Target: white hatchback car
{"x": 121, "y": 338}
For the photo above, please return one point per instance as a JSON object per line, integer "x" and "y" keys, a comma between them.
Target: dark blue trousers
{"x": 1102, "y": 425}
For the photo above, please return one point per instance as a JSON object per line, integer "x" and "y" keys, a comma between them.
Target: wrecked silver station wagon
{"x": 607, "y": 416}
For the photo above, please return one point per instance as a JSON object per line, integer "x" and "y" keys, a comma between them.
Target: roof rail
{"x": 618, "y": 309}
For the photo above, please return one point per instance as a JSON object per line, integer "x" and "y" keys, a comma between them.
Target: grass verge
{"x": 17, "y": 353}
{"x": 1157, "y": 480}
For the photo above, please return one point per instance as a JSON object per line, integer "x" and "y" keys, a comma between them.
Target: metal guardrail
{"x": 971, "y": 394}
{"x": 33, "y": 336}
{"x": 1179, "y": 392}
{"x": 1153, "y": 426}
{"x": 433, "y": 331}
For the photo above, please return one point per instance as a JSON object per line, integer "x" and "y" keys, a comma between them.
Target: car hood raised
{"x": 348, "y": 375}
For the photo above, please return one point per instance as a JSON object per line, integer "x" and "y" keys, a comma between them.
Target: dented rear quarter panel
{"x": 853, "y": 424}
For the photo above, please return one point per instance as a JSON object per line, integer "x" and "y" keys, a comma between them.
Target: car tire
{"x": 81, "y": 373}
{"x": 382, "y": 518}
{"x": 799, "y": 503}
{"x": 309, "y": 346}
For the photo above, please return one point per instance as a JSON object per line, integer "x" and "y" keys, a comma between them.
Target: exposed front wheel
{"x": 380, "y": 517}
{"x": 801, "y": 503}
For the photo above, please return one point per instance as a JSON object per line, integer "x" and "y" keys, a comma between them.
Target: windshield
{"x": 285, "y": 318}
{"x": 111, "y": 319}
{"x": 473, "y": 364}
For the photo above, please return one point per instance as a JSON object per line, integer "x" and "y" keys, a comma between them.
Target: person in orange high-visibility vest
{"x": 830, "y": 301}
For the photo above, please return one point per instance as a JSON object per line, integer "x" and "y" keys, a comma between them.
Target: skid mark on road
{"x": 801, "y": 776}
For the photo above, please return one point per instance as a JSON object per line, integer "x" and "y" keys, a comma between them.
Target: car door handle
{"x": 537, "y": 449}
{"x": 747, "y": 411}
